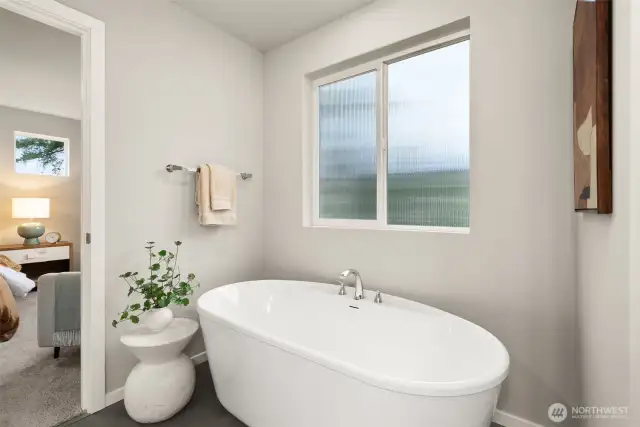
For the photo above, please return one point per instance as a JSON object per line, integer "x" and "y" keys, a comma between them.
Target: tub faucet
{"x": 359, "y": 294}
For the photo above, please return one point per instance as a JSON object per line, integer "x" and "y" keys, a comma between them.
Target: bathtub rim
{"x": 389, "y": 383}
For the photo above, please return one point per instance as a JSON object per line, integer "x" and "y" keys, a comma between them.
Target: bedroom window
{"x": 41, "y": 154}
{"x": 391, "y": 141}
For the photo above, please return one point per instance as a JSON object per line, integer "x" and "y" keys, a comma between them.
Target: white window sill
{"x": 363, "y": 225}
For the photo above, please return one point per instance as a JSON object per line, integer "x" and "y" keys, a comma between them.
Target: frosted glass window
{"x": 347, "y": 182}
{"x": 428, "y": 139}
{"x": 392, "y": 141}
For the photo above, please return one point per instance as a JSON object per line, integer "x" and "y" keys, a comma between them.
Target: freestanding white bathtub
{"x": 297, "y": 354}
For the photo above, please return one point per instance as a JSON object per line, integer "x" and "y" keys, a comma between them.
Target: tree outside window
{"x": 41, "y": 155}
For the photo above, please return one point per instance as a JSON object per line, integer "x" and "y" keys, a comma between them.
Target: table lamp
{"x": 30, "y": 208}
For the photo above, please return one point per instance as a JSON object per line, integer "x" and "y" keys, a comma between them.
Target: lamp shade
{"x": 30, "y": 208}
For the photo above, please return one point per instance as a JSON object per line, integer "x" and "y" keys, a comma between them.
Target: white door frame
{"x": 92, "y": 89}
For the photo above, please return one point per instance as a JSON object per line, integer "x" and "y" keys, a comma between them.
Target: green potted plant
{"x": 162, "y": 287}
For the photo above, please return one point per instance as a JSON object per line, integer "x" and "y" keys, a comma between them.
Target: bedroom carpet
{"x": 37, "y": 390}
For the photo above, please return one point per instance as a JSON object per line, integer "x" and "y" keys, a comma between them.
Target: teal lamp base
{"x": 30, "y": 231}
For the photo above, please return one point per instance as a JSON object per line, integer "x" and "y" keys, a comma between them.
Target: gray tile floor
{"x": 203, "y": 410}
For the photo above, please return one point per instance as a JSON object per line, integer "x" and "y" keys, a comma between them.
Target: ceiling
{"x": 267, "y": 24}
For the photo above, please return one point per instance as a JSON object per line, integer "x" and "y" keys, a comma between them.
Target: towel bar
{"x": 173, "y": 168}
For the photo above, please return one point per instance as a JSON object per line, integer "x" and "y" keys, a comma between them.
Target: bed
{"x": 9, "y": 318}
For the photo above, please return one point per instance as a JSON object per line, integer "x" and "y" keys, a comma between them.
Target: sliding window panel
{"x": 347, "y": 179}
{"x": 428, "y": 138}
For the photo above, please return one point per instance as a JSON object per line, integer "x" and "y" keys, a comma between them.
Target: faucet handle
{"x": 342, "y": 290}
{"x": 378, "y": 299}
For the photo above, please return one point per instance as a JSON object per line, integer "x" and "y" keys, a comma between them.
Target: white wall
{"x": 29, "y": 49}
{"x": 603, "y": 255}
{"x": 515, "y": 273}
{"x": 634, "y": 177}
{"x": 178, "y": 91}
{"x": 64, "y": 191}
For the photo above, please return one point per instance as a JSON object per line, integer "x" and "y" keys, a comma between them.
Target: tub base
{"x": 265, "y": 386}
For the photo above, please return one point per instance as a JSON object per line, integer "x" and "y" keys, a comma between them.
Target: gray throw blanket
{"x": 67, "y": 311}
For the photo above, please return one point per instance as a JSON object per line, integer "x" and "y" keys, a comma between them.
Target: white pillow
{"x": 19, "y": 283}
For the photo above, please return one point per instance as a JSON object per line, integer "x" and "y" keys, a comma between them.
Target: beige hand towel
{"x": 216, "y": 195}
{"x": 222, "y": 186}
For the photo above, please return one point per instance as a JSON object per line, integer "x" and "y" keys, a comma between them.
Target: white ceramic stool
{"x": 163, "y": 382}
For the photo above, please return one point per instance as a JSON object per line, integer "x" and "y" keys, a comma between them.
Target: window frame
{"x": 380, "y": 66}
{"x": 65, "y": 141}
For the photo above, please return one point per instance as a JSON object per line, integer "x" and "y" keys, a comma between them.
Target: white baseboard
{"x": 506, "y": 419}
{"x": 117, "y": 395}
{"x": 114, "y": 396}
{"x": 199, "y": 358}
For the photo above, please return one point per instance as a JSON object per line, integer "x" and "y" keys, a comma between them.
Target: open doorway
{"x": 40, "y": 222}
{"x": 52, "y": 245}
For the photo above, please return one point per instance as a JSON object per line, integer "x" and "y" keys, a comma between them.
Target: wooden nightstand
{"x": 39, "y": 259}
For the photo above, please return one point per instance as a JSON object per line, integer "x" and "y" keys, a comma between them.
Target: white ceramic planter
{"x": 157, "y": 319}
